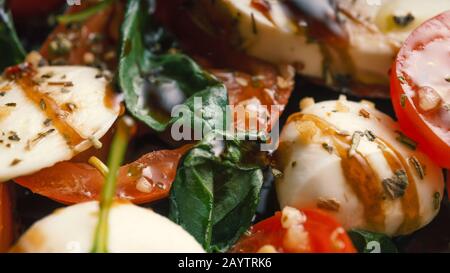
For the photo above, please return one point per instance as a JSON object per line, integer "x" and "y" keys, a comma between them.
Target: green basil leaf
{"x": 13, "y": 52}
{"x": 154, "y": 82}
{"x": 372, "y": 242}
{"x": 216, "y": 191}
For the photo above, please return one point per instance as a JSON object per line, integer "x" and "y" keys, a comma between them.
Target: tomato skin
{"x": 413, "y": 123}
{"x": 70, "y": 182}
{"x": 319, "y": 225}
{"x": 6, "y": 218}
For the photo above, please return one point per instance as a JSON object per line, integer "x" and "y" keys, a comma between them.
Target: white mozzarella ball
{"x": 346, "y": 157}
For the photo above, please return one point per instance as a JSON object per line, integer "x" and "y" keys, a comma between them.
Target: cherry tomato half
{"x": 318, "y": 233}
{"x": 420, "y": 87}
{"x": 147, "y": 179}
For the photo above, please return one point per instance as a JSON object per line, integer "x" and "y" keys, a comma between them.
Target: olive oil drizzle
{"x": 410, "y": 200}
{"x": 110, "y": 99}
{"x": 365, "y": 183}
{"x": 52, "y": 110}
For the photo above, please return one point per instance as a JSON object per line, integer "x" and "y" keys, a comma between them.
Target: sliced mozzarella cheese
{"x": 277, "y": 37}
{"x": 51, "y": 117}
{"x": 131, "y": 229}
{"x": 321, "y": 169}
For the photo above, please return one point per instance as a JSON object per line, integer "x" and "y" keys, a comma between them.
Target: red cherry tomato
{"x": 324, "y": 234}
{"x": 420, "y": 87}
{"x": 147, "y": 179}
{"x": 6, "y": 218}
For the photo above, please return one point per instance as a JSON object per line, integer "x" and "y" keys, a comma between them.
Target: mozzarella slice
{"x": 277, "y": 36}
{"x": 321, "y": 169}
{"x": 276, "y": 39}
{"x": 59, "y": 112}
{"x": 131, "y": 229}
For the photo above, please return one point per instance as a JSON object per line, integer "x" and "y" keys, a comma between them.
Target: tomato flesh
{"x": 147, "y": 179}
{"x": 321, "y": 228}
{"x": 420, "y": 87}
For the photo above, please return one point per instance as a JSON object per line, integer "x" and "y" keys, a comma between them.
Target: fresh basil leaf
{"x": 371, "y": 242}
{"x": 216, "y": 191}
{"x": 13, "y": 52}
{"x": 154, "y": 82}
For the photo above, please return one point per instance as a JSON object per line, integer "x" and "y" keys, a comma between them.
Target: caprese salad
{"x": 143, "y": 126}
